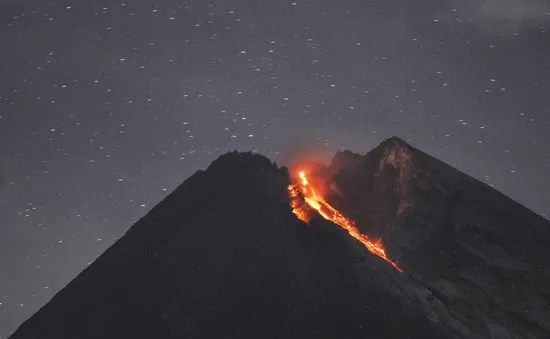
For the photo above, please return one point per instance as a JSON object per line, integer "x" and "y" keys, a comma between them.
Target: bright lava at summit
{"x": 304, "y": 198}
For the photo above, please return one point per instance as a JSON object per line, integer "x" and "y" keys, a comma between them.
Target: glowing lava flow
{"x": 315, "y": 201}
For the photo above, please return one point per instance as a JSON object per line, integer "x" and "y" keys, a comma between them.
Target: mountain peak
{"x": 448, "y": 227}
{"x": 395, "y": 152}
{"x": 393, "y": 142}
{"x": 235, "y": 161}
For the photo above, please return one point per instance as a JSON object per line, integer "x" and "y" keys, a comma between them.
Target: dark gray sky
{"x": 106, "y": 106}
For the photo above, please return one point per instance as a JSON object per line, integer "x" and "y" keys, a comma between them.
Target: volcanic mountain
{"x": 391, "y": 244}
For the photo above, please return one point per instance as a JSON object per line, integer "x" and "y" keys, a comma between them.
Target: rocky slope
{"x": 484, "y": 257}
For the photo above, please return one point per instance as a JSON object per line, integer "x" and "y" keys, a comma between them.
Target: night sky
{"x": 107, "y": 106}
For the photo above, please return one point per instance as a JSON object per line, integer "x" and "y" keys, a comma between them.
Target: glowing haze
{"x": 306, "y": 199}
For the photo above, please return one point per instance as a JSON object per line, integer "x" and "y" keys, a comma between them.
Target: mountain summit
{"x": 482, "y": 255}
{"x": 227, "y": 255}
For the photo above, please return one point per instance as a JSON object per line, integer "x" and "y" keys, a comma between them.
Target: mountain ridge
{"x": 224, "y": 248}
{"x": 395, "y": 142}
{"x": 448, "y": 227}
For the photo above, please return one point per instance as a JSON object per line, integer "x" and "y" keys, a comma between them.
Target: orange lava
{"x": 304, "y": 199}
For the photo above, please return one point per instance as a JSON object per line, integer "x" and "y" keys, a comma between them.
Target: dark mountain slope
{"x": 224, "y": 257}
{"x": 481, "y": 254}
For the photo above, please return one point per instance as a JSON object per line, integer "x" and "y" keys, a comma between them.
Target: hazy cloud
{"x": 505, "y": 16}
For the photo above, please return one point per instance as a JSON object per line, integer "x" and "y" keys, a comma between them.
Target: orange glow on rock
{"x": 305, "y": 199}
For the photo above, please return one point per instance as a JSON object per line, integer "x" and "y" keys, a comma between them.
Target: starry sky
{"x": 106, "y": 106}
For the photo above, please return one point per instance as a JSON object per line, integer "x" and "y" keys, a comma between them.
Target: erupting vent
{"x": 305, "y": 200}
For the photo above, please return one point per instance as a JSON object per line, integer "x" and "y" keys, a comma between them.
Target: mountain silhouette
{"x": 482, "y": 255}
{"x": 223, "y": 256}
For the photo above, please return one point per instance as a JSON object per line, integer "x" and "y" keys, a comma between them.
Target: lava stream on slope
{"x": 304, "y": 199}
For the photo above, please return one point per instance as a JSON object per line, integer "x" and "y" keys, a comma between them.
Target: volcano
{"x": 390, "y": 244}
